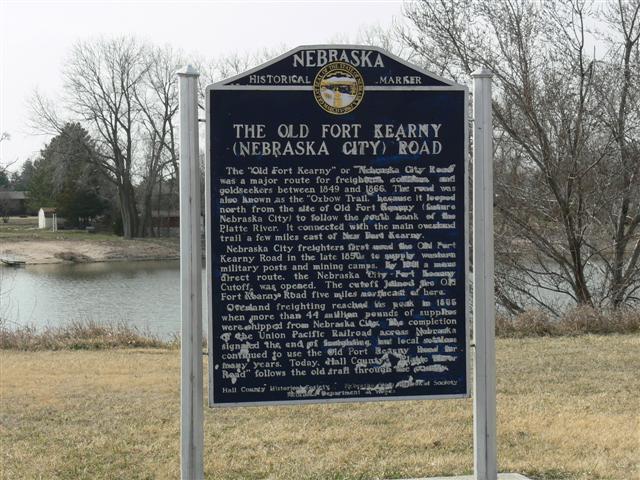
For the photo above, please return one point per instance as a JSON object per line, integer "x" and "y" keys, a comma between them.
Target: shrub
{"x": 80, "y": 335}
{"x": 577, "y": 321}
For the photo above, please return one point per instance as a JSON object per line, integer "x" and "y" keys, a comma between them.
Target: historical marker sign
{"x": 337, "y": 228}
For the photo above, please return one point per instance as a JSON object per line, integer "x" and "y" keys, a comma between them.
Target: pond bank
{"x": 63, "y": 250}
{"x": 21, "y": 238}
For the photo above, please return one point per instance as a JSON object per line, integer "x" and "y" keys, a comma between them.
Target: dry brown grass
{"x": 568, "y": 409}
{"x": 576, "y": 321}
{"x": 78, "y": 335}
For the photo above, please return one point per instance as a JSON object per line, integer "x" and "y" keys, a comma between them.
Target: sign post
{"x": 484, "y": 398}
{"x": 191, "y": 418}
{"x": 337, "y": 239}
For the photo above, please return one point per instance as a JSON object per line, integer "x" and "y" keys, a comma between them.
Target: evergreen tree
{"x": 66, "y": 177}
{"x": 20, "y": 180}
{"x": 4, "y": 179}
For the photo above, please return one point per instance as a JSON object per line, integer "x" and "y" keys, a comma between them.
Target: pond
{"x": 145, "y": 295}
{"x": 141, "y": 294}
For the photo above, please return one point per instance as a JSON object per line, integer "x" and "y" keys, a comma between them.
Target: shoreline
{"x": 38, "y": 251}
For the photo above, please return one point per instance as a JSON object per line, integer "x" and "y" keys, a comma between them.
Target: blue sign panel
{"x": 336, "y": 225}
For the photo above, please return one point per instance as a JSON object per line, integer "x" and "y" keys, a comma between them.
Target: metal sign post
{"x": 191, "y": 419}
{"x": 484, "y": 398}
{"x": 337, "y": 260}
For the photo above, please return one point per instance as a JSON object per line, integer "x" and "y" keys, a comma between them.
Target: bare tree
{"x": 158, "y": 102}
{"x": 125, "y": 94}
{"x": 557, "y": 177}
{"x": 618, "y": 92}
{"x": 377, "y": 36}
{"x": 157, "y": 99}
{"x": 101, "y": 81}
{"x": 226, "y": 66}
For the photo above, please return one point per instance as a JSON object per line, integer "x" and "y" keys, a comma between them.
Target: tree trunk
{"x": 128, "y": 210}
{"x": 146, "y": 224}
{"x": 581, "y": 287}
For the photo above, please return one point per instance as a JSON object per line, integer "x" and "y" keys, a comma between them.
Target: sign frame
{"x": 468, "y": 317}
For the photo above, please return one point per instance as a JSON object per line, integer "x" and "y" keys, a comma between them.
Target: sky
{"x": 36, "y": 36}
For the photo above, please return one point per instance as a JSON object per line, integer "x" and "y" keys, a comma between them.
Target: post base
{"x": 501, "y": 476}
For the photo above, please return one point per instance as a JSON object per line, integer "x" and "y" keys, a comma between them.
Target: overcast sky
{"x": 35, "y": 37}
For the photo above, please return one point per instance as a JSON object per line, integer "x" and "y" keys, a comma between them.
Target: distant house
{"x": 13, "y": 203}
{"x": 47, "y": 218}
{"x": 166, "y": 222}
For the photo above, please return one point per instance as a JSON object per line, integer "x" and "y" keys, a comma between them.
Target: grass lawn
{"x": 27, "y": 228}
{"x": 568, "y": 408}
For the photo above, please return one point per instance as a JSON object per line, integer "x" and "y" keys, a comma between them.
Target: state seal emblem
{"x": 338, "y": 88}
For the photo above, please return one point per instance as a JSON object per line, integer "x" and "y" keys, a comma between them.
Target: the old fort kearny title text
{"x": 291, "y": 139}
